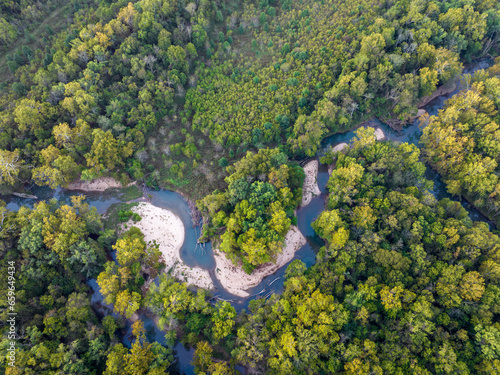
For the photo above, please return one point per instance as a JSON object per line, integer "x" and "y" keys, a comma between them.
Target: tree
{"x": 223, "y": 320}
{"x": 391, "y": 299}
{"x": 446, "y": 65}
{"x": 428, "y": 81}
{"x": 129, "y": 250}
{"x": 199, "y": 36}
{"x": 373, "y": 45}
{"x": 58, "y": 170}
{"x": 110, "y": 326}
{"x": 472, "y": 286}
{"x": 29, "y": 115}
{"x": 106, "y": 153}
{"x": 202, "y": 359}
{"x": 191, "y": 51}
{"x": 75, "y": 139}
{"x": 10, "y": 166}
{"x": 330, "y": 226}
{"x": 177, "y": 58}
{"x": 223, "y": 162}
{"x": 488, "y": 339}
{"x": 127, "y": 15}
{"x": 7, "y": 32}
{"x": 127, "y": 303}
{"x": 109, "y": 282}
{"x": 364, "y": 217}
{"x": 254, "y": 212}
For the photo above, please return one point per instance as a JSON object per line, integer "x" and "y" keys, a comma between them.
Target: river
{"x": 194, "y": 255}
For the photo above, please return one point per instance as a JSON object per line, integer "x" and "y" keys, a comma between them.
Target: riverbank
{"x": 337, "y": 148}
{"x": 310, "y": 187}
{"x": 236, "y": 281}
{"x": 99, "y": 184}
{"x": 440, "y": 91}
{"x": 379, "y": 134}
{"x": 162, "y": 226}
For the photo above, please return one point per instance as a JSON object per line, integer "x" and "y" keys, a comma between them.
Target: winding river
{"x": 194, "y": 255}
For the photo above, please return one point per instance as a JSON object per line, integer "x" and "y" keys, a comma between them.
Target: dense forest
{"x": 54, "y": 248}
{"x": 142, "y": 90}
{"x": 405, "y": 284}
{"x": 463, "y": 142}
{"x": 222, "y": 100}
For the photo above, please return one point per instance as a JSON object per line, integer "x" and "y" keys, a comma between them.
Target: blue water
{"x": 185, "y": 358}
{"x": 192, "y": 253}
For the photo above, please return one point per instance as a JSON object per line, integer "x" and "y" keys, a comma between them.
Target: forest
{"x": 224, "y": 101}
{"x": 463, "y": 142}
{"x": 55, "y": 248}
{"x": 404, "y": 284}
{"x": 143, "y": 90}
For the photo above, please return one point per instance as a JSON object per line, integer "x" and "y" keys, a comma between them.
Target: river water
{"x": 202, "y": 256}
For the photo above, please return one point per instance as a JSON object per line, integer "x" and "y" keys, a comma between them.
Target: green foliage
{"x": 223, "y": 163}
{"x": 173, "y": 302}
{"x": 134, "y": 73}
{"x": 404, "y": 284}
{"x": 113, "y": 221}
{"x": 146, "y": 59}
{"x": 368, "y": 59}
{"x": 204, "y": 363}
{"x": 142, "y": 358}
{"x": 462, "y": 142}
{"x": 251, "y": 217}
{"x": 125, "y": 216}
{"x": 120, "y": 283}
{"x": 51, "y": 254}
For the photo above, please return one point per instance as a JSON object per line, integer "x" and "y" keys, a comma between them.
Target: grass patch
{"x": 112, "y": 220}
{"x": 126, "y": 215}
{"x": 129, "y": 193}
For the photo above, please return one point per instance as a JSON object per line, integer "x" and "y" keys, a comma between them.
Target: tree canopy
{"x": 250, "y": 219}
{"x": 463, "y": 141}
{"x": 404, "y": 284}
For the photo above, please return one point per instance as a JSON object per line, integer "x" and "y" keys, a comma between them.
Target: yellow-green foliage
{"x": 252, "y": 216}
{"x": 463, "y": 141}
{"x": 317, "y": 67}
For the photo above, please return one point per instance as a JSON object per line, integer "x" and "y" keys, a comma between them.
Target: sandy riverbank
{"x": 310, "y": 187}
{"x": 99, "y": 184}
{"x": 236, "y": 281}
{"x": 337, "y": 148}
{"x": 379, "y": 134}
{"x": 167, "y": 230}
